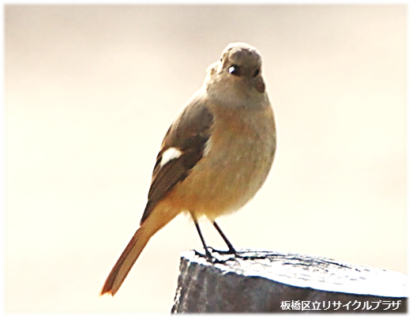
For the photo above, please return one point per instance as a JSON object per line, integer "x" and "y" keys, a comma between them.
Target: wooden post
{"x": 267, "y": 281}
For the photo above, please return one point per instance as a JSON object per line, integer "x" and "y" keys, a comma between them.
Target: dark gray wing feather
{"x": 189, "y": 134}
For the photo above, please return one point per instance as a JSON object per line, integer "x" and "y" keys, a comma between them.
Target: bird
{"x": 214, "y": 157}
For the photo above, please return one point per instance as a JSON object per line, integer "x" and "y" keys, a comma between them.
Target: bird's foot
{"x": 223, "y": 252}
{"x": 212, "y": 259}
{"x": 232, "y": 251}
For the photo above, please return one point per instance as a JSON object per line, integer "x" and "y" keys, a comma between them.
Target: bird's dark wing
{"x": 188, "y": 134}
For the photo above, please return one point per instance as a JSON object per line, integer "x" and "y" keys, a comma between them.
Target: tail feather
{"x": 157, "y": 219}
{"x": 126, "y": 261}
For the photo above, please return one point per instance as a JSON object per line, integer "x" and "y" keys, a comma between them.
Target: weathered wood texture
{"x": 266, "y": 281}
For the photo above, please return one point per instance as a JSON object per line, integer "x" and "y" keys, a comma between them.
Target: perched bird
{"x": 215, "y": 156}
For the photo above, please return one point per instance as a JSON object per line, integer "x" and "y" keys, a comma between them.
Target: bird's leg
{"x": 231, "y": 249}
{"x": 207, "y": 253}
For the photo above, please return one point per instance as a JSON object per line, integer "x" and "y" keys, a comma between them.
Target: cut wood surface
{"x": 268, "y": 281}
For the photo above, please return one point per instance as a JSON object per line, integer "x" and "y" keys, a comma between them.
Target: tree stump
{"x": 268, "y": 281}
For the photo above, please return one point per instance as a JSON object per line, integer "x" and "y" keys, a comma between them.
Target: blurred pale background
{"x": 91, "y": 90}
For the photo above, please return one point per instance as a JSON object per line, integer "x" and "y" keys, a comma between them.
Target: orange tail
{"x": 126, "y": 261}
{"x": 157, "y": 219}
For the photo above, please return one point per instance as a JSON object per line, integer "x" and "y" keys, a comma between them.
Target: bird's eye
{"x": 235, "y": 70}
{"x": 257, "y": 72}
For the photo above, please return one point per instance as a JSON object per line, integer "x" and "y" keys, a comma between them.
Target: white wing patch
{"x": 170, "y": 154}
{"x": 208, "y": 146}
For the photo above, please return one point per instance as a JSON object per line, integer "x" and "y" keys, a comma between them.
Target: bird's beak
{"x": 259, "y": 84}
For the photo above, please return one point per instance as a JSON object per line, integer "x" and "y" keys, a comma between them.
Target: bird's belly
{"x": 229, "y": 175}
